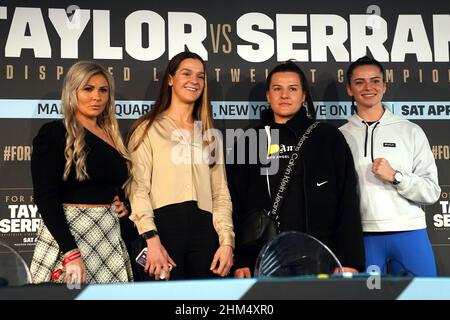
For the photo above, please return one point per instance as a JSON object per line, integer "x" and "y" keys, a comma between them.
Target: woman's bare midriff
{"x": 86, "y": 205}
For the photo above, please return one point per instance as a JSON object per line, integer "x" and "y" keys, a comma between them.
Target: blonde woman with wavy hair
{"x": 181, "y": 203}
{"x": 79, "y": 168}
{"x": 74, "y": 152}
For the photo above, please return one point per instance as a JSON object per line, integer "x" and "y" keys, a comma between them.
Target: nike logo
{"x": 321, "y": 183}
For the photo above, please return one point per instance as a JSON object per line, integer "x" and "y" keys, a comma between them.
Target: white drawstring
{"x": 269, "y": 141}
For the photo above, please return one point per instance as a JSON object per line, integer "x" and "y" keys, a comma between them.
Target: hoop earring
{"x": 305, "y": 105}
{"x": 353, "y": 104}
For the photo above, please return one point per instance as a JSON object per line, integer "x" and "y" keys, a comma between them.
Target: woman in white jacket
{"x": 396, "y": 175}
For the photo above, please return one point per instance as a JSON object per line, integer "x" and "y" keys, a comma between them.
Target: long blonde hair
{"x": 75, "y": 151}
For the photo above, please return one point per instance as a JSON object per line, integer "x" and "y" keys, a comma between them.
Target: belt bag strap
{"x": 284, "y": 182}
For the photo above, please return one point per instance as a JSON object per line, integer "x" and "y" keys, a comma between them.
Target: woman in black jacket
{"x": 322, "y": 198}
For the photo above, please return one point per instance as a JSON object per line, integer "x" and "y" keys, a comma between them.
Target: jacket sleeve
{"x": 141, "y": 209}
{"x": 421, "y": 185}
{"x": 238, "y": 178}
{"x": 349, "y": 236}
{"x": 47, "y": 168}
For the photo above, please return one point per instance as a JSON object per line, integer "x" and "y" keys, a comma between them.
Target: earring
{"x": 353, "y": 103}
{"x": 305, "y": 105}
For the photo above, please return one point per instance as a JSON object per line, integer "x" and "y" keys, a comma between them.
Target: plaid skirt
{"x": 97, "y": 234}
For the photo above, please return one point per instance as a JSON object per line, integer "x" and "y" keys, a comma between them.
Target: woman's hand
{"x": 345, "y": 269}
{"x": 119, "y": 207}
{"x": 382, "y": 169}
{"x": 158, "y": 260}
{"x": 75, "y": 272}
{"x": 242, "y": 273}
{"x": 222, "y": 261}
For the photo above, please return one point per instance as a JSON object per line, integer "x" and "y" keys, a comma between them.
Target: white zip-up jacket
{"x": 384, "y": 206}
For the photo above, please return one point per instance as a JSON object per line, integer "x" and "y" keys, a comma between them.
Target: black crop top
{"x": 106, "y": 168}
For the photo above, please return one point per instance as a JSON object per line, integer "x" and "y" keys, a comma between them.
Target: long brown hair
{"x": 202, "y": 108}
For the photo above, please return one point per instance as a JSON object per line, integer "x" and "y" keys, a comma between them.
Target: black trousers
{"x": 189, "y": 237}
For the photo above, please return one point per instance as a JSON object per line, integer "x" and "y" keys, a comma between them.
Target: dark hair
{"x": 202, "y": 111}
{"x": 363, "y": 61}
{"x": 290, "y": 66}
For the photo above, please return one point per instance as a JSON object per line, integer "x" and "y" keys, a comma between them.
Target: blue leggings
{"x": 405, "y": 252}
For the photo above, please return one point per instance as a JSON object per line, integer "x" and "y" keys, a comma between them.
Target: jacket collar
{"x": 387, "y": 118}
{"x": 297, "y": 124}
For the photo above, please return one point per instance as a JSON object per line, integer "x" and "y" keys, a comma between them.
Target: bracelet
{"x": 68, "y": 253}
{"x": 69, "y": 256}
{"x": 149, "y": 234}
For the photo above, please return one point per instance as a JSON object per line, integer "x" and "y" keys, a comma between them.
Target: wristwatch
{"x": 398, "y": 176}
{"x": 149, "y": 234}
